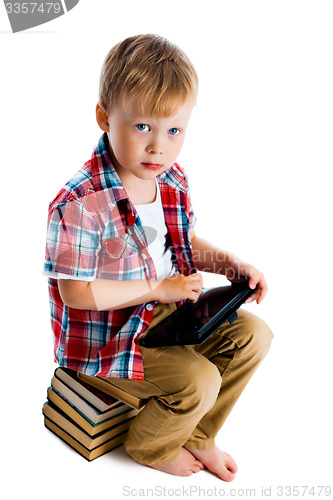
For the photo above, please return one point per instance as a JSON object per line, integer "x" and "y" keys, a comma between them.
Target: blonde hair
{"x": 150, "y": 70}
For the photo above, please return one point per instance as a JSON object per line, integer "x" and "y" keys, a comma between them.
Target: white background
{"x": 258, "y": 155}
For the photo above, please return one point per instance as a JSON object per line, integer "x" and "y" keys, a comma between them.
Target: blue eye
{"x": 142, "y": 127}
{"x": 174, "y": 131}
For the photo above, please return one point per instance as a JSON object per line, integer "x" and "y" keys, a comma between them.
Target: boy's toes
{"x": 227, "y": 475}
{"x": 200, "y": 465}
{"x": 231, "y": 465}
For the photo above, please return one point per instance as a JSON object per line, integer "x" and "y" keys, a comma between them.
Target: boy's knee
{"x": 258, "y": 334}
{"x": 204, "y": 383}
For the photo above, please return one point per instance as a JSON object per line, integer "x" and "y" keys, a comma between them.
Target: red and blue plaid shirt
{"x": 94, "y": 232}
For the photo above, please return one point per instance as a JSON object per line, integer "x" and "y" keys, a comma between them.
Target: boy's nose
{"x": 155, "y": 147}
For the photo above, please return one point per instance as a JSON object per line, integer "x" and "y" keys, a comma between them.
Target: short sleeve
{"x": 72, "y": 242}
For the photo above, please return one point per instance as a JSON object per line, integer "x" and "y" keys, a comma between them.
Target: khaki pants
{"x": 192, "y": 389}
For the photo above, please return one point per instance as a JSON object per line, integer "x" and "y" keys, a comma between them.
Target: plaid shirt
{"x": 94, "y": 232}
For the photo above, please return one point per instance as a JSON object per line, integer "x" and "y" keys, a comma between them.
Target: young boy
{"x": 122, "y": 255}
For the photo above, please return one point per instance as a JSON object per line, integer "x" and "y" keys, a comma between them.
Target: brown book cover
{"x": 85, "y": 452}
{"x": 86, "y": 424}
{"x": 100, "y": 399}
{"x": 59, "y": 418}
{"x": 105, "y": 385}
{"x": 83, "y": 406}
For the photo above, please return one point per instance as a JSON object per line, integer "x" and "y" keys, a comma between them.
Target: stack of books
{"x": 85, "y": 417}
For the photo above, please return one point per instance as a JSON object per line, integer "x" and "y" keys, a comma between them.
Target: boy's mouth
{"x": 152, "y": 166}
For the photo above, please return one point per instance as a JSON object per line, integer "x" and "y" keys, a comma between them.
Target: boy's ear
{"x": 102, "y": 118}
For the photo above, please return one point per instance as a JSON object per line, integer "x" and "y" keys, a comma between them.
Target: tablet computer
{"x": 194, "y": 323}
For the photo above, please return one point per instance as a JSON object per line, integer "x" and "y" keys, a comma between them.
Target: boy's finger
{"x": 196, "y": 287}
{"x": 259, "y": 295}
{"x": 262, "y": 295}
{"x": 251, "y": 299}
{"x": 195, "y": 277}
{"x": 252, "y": 283}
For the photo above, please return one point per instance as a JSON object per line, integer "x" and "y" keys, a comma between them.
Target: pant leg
{"x": 236, "y": 350}
{"x": 182, "y": 386}
{"x": 188, "y": 405}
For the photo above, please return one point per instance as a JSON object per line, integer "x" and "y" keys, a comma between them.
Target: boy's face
{"x": 143, "y": 146}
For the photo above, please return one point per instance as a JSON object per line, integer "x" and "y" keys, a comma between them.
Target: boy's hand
{"x": 239, "y": 271}
{"x": 179, "y": 287}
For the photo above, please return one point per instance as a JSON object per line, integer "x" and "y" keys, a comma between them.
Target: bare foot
{"x": 217, "y": 461}
{"x": 183, "y": 465}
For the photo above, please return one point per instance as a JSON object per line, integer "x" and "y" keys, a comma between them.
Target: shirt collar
{"x": 174, "y": 177}
{"x": 105, "y": 176}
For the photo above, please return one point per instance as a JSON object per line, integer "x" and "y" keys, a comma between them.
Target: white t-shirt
{"x": 152, "y": 218}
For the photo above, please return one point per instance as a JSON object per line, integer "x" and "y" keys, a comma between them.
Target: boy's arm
{"x": 101, "y": 294}
{"x": 211, "y": 259}
{"x": 104, "y": 294}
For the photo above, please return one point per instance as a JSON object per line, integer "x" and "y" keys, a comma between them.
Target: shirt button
{"x": 149, "y": 307}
